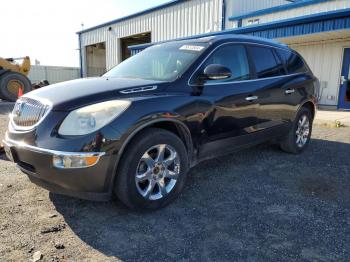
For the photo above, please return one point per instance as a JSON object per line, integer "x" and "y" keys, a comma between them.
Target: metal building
{"x": 318, "y": 29}
{"x": 54, "y": 74}
{"x": 106, "y": 45}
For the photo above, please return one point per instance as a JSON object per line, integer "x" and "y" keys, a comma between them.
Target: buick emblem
{"x": 19, "y": 108}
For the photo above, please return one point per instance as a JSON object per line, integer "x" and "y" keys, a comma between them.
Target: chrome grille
{"x": 28, "y": 112}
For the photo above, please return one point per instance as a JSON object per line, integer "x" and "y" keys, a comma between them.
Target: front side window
{"x": 165, "y": 62}
{"x": 233, "y": 57}
{"x": 292, "y": 61}
{"x": 266, "y": 63}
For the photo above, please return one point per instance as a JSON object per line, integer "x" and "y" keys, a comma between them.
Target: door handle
{"x": 251, "y": 98}
{"x": 289, "y": 91}
{"x": 343, "y": 80}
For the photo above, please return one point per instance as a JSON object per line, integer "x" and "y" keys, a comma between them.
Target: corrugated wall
{"x": 54, "y": 74}
{"x": 325, "y": 60}
{"x": 181, "y": 20}
{"x": 240, "y": 7}
{"x": 301, "y": 11}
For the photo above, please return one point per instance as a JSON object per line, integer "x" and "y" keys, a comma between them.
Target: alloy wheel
{"x": 303, "y": 131}
{"x": 157, "y": 172}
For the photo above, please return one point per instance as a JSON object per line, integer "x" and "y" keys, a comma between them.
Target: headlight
{"x": 82, "y": 160}
{"x": 88, "y": 119}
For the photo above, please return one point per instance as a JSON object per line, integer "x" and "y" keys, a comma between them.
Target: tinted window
{"x": 293, "y": 62}
{"x": 266, "y": 62}
{"x": 233, "y": 57}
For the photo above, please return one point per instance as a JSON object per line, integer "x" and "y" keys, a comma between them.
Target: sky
{"x": 46, "y": 30}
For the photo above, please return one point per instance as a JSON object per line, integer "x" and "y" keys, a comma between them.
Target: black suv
{"x": 136, "y": 131}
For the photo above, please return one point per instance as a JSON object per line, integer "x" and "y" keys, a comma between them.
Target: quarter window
{"x": 266, "y": 63}
{"x": 233, "y": 57}
{"x": 292, "y": 61}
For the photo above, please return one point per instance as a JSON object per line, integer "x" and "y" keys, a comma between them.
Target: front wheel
{"x": 300, "y": 134}
{"x": 152, "y": 171}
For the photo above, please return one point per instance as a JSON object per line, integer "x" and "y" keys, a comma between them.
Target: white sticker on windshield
{"x": 196, "y": 48}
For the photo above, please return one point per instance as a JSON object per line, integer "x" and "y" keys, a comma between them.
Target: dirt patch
{"x": 325, "y": 188}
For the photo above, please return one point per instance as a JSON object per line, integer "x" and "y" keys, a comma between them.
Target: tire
{"x": 131, "y": 185}
{"x": 292, "y": 143}
{"x": 9, "y": 84}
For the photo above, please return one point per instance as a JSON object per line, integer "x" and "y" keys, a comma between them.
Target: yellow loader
{"x": 13, "y": 78}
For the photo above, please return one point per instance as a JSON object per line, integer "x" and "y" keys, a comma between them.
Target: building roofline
{"x": 146, "y": 11}
{"x": 198, "y": 37}
{"x": 266, "y": 26}
{"x": 278, "y": 9}
{"x": 296, "y": 21}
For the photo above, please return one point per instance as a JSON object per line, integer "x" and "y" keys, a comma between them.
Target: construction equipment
{"x": 13, "y": 78}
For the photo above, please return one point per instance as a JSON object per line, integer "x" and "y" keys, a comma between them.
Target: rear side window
{"x": 293, "y": 62}
{"x": 267, "y": 64}
{"x": 233, "y": 57}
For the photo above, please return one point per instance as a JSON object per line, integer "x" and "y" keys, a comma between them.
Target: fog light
{"x": 75, "y": 161}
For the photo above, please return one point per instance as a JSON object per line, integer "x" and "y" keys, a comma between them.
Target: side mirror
{"x": 217, "y": 72}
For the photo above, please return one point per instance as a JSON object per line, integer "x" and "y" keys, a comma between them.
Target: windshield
{"x": 165, "y": 62}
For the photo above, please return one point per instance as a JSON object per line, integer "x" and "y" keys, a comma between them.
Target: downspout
{"x": 80, "y": 57}
{"x": 223, "y": 18}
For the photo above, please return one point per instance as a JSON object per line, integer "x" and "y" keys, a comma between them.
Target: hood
{"x": 65, "y": 95}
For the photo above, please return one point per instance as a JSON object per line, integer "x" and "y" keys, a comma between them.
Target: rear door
{"x": 271, "y": 75}
{"x": 297, "y": 86}
{"x": 282, "y": 86}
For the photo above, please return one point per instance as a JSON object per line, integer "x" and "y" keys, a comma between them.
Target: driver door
{"x": 231, "y": 119}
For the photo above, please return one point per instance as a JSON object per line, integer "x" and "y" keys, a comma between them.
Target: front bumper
{"x": 92, "y": 183}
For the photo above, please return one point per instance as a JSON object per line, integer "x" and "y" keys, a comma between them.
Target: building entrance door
{"x": 139, "y": 39}
{"x": 344, "y": 90}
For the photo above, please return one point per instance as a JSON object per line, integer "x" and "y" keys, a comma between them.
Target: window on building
{"x": 254, "y": 21}
{"x": 292, "y": 61}
{"x": 233, "y": 57}
{"x": 266, "y": 63}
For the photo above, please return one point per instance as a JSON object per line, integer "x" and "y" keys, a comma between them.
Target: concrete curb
{"x": 330, "y": 123}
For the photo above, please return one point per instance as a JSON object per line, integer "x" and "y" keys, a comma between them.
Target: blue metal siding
{"x": 242, "y": 7}
{"x": 80, "y": 57}
{"x": 310, "y": 24}
{"x": 278, "y": 9}
{"x": 135, "y": 51}
{"x": 223, "y": 22}
{"x": 302, "y": 26}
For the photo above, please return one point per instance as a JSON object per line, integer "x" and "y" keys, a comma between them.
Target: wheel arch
{"x": 311, "y": 106}
{"x": 173, "y": 125}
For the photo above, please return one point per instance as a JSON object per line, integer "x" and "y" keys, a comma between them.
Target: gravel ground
{"x": 256, "y": 205}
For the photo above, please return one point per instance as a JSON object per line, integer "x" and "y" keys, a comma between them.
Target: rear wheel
{"x": 299, "y": 136}
{"x": 152, "y": 171}
{"x": 10, "y": 85}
